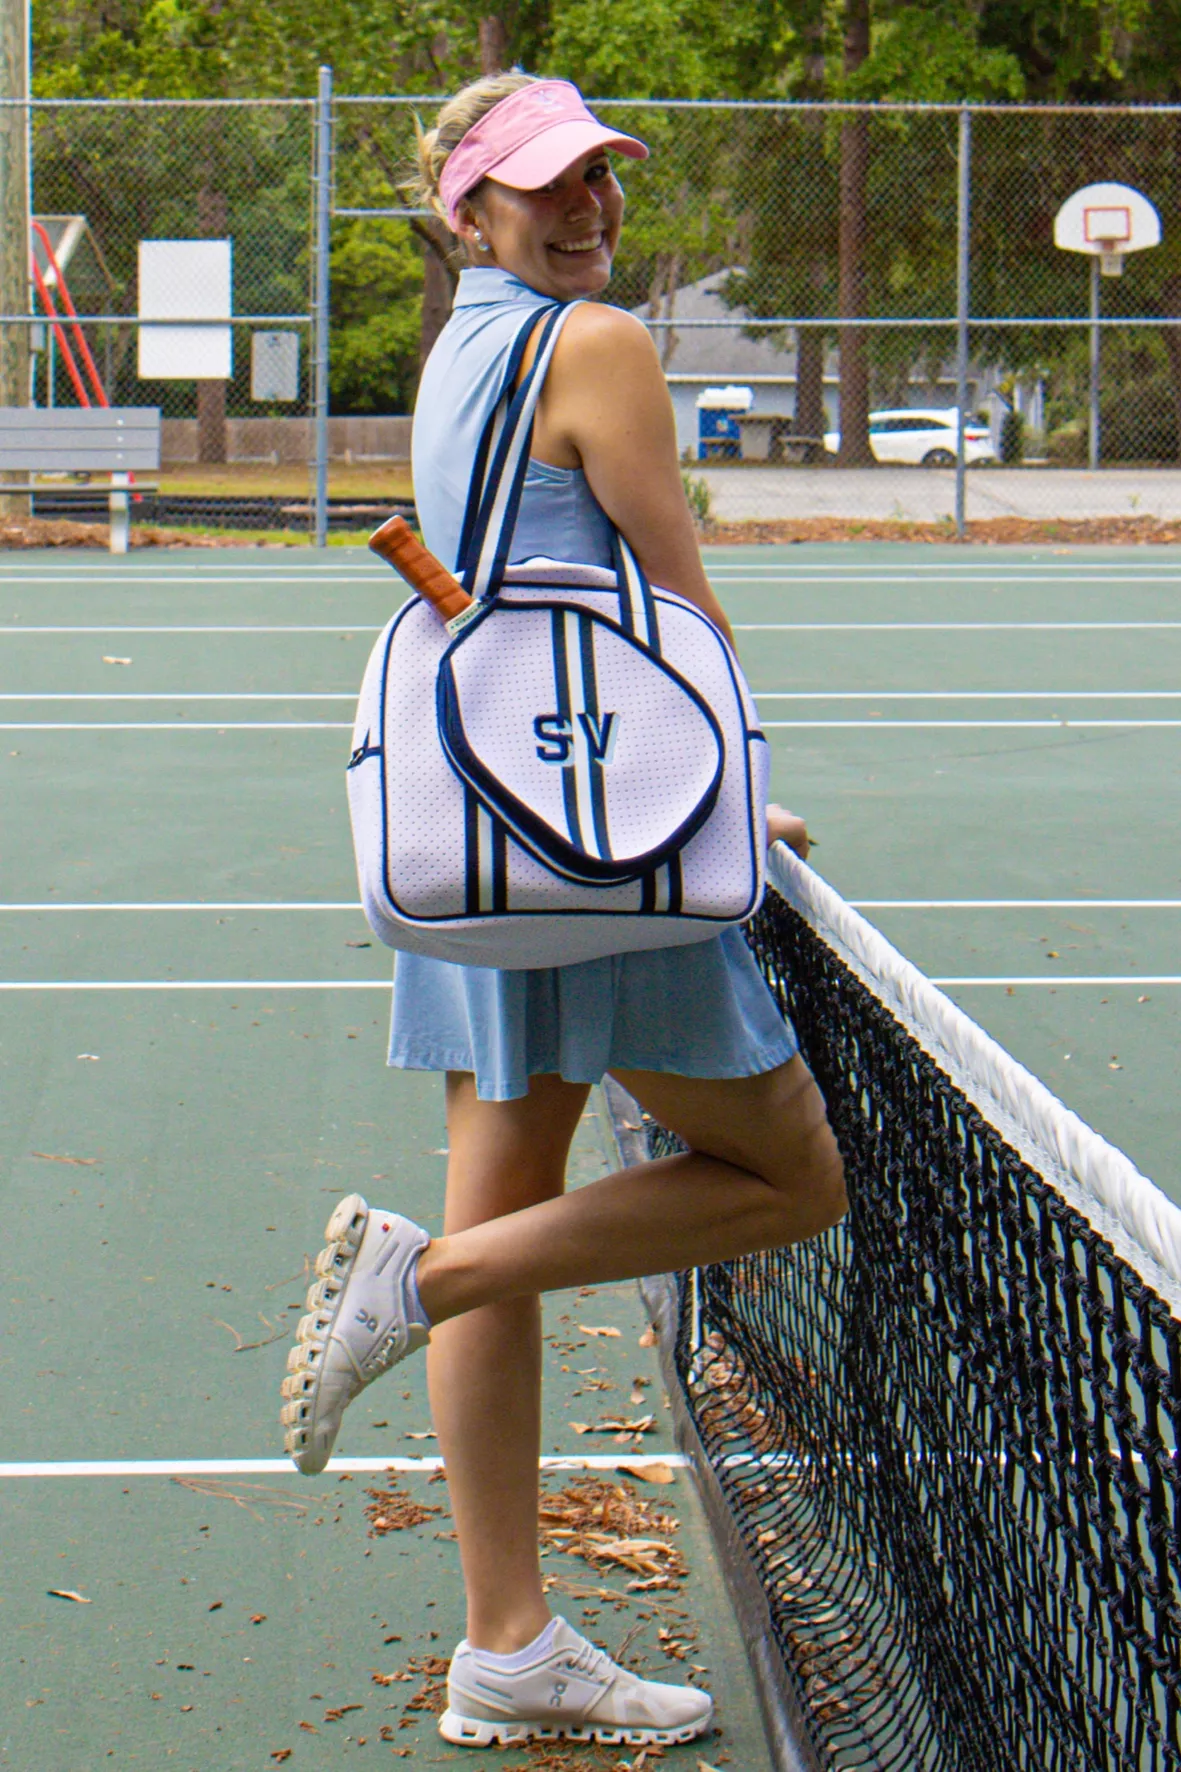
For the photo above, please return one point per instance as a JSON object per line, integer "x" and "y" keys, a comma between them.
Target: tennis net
{"x": 944, "y": 1436}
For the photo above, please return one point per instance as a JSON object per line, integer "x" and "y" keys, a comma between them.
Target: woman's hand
{"x": 784, "y": 827}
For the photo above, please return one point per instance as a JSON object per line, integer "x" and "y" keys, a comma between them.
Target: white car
{"x": 926, "y": 435}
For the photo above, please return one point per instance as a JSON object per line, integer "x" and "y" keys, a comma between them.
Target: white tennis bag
{"x": 578, "y": 772}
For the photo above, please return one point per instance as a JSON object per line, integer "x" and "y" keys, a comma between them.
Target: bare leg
{"x": 484, "y": 1367}
{"x": 762, "y": 1170}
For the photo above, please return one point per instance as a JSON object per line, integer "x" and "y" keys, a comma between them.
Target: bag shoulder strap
{"x": 502, "y": 460}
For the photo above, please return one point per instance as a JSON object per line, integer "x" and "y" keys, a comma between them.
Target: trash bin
{"x": 718, "y": 437}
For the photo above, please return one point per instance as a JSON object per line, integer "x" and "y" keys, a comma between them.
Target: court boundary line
{"x": 740, "y": 627}
{"x": 384, "y": 984}
{"x": 801, "y": 725}
{"x": 228, "y": 1467}
{"x": 860, "y": 904}
{"x": 350, "y": 695}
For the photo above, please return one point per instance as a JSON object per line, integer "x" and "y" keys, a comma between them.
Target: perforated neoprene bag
{"x": 578, "y": 771}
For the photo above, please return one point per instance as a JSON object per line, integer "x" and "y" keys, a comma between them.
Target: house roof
{"x": 724, "y": 352}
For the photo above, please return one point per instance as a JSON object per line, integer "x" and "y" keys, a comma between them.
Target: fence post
{"x": 321, "y": 302}
{"x": 962, "y": 295}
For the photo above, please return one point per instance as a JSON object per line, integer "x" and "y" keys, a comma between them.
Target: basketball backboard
{"x": 1107, "y": 221}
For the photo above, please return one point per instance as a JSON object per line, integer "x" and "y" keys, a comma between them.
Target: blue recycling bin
{"x": 719, "y": 437}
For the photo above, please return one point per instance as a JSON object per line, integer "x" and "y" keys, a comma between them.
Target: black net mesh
{"x": 947, "y": 1430}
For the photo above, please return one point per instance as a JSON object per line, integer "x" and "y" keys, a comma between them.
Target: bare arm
{"x": 605, "y": 407}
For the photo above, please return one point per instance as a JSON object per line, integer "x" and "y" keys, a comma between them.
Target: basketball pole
{"x": 1093, "y": 439}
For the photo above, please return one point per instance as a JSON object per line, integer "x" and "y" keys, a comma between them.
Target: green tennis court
{"x": 193, "y": 1028}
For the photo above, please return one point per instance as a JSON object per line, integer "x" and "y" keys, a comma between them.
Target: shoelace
{"x": 587, "y": 1659}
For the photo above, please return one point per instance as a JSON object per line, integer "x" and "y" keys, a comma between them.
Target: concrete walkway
{"x": 927, "y": 495}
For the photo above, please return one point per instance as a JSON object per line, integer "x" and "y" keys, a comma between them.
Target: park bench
{"x": 770, "y": 436}
{"x": 115, "y": 440}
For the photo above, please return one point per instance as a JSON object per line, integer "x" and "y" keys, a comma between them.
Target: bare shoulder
{"x": 598, "y": 337}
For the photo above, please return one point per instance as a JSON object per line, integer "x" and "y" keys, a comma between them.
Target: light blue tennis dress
{"x": 699, "y": 1011}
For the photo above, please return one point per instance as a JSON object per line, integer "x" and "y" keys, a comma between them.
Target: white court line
{"x": 961, "y": 725}
{"x": 344, "y": 627}
{"x": 378, "y": 984}
{"x": 350, "y": 628}
{"x": 197, "y": 984}
{"x": 186, "y": 695}
{"x": 944, "y": 695}
{"x": 759, "y": 695}
{"x": 294, "y": 904}
{"x": 939, "y": 627}
{"x": 1014, "y": 904}
{"x": 1067, "y": 978}
{"x": 859, "y": 904}
{"x": 275, "y": 1467}
{"x": 176, "y": 726}
{"x": 350, "y": 695}
{"x": 347, "y": 725}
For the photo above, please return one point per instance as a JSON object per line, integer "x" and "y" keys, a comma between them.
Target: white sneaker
{"x": 570, "y": 1689}
{"x": 360, "y": 1322}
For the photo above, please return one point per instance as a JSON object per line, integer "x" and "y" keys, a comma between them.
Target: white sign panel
{"x": 274, "y": 366}
{"x": 185, "y": 280}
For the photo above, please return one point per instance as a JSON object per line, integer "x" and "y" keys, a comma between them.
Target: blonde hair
{"x": 457, "y": 116}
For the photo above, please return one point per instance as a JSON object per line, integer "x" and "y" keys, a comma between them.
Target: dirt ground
{"x": 40, "y": 532}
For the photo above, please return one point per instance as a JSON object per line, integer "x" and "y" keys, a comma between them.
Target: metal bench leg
{"x": 120, "y": 513}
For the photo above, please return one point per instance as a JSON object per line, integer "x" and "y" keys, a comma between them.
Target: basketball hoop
{"x": 1109, "y": 227}
{"x": 1107, "y": 222}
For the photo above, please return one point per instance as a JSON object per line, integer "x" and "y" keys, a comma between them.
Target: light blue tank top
{"x": 559, "y": 514}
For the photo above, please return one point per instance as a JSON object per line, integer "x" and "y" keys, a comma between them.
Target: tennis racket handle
{"x": 396, "y": 543}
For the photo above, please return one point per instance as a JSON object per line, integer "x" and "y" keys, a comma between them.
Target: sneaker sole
{"x": 343, "y": 1235}
{"x": 475, "y": 1732}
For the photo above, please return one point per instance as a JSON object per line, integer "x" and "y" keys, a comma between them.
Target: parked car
{"x": 926, "y": 435}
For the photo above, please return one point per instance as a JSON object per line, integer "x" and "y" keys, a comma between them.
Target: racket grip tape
{"x": 396, "y": 543}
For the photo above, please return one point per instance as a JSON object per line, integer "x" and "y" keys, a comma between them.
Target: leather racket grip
{"x": 396, "y": 544}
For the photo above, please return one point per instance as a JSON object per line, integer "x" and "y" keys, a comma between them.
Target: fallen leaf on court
{"x": 648, "y": 1473}
{"x": 215, "y": 1607}
{"x": 336, "y": 1711}
{"x": 581, "y": 1427}
{"x": 427, "y": 1434}
{"x": 109, "y": 658}
{"x": 280, "y": 1754}
{"x": 67, "y": 1593}
{"x": 1115, "y": 1065}
{"x": 310, "y": 1727}
{"x": 78, "y": 1162}
{"x": 389, "y": 1679}
{"x": 1144, "y": 999}
{"x": 358, "y": 944}
{"x": 617, "y": 1424}
{"x": 583, "y": 1329}
{"x": 393, "y": 1510}
{"x": 91, "y": 1056}
{"x": 649, "y": 1338}
{"x": 258, "y": 1618}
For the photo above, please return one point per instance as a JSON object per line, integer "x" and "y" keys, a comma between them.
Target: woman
{"x": 520, "y": 170}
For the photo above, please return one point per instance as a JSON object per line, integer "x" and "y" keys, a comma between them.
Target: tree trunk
{"x": 438, "y": 284}
{"x": 1171, "y": 304}
{"x": 855, "y": 450}
{"x": 494, "y": 56}
{"x": 14, "y": 222}
{"x": 810, "y": 417}
{"x": 211, "y": 395}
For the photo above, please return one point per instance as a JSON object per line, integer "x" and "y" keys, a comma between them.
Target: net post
{"x": 321, "y": 302}
{"x": 963, "y": 273}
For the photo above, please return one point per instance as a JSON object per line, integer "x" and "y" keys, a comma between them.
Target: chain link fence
{"x": 799, "y": 265}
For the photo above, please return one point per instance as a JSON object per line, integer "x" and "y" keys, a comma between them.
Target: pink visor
{"x": 526, "y": 140}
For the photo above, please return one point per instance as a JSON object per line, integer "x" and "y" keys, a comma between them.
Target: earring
{"x": 481, "y": 242}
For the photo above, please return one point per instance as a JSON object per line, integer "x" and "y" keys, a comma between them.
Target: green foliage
{"x": 698, "y": 494}
{"x": 376, "y": 279}
{"x": 1012, "y": 437}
